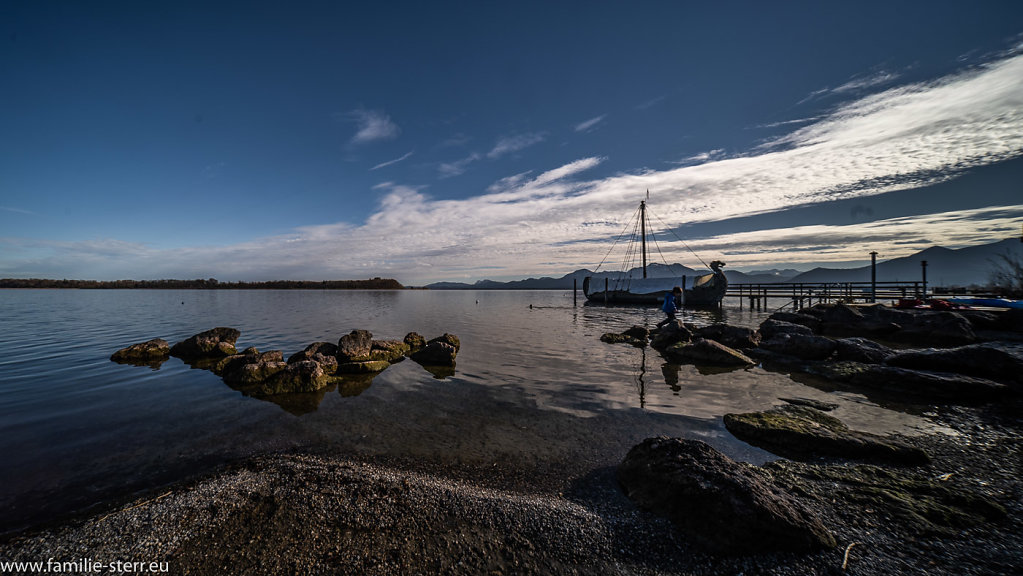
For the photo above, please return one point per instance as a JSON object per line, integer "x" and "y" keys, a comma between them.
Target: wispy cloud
{"x": 589, "y": 124}
{"x": 372, "y": 125}
{"x": 510, "y": 144}
{"x": 15, "y": 210}
{"x": 891, "y": 140}
{"x": 390, "y": 162}
{"x": 857, "y": 84}
{"x": 650, "y": 103}
{"x": 458, "y": 167}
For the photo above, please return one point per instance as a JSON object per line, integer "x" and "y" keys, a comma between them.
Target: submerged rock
{"x": 622, "y": 338}
{"x": 802, "y": 432}
{"x": 726, "y": 506}
{"x": 703, "y": 351}
{"x": 213, "y": 343}
{"x": 145, "y": 353}
{"x": 365, "y": 367}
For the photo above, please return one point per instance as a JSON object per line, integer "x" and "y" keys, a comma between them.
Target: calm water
{"x": 533, "y": 387}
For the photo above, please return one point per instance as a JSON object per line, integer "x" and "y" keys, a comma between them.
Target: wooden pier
{"x": 801, "y": 295}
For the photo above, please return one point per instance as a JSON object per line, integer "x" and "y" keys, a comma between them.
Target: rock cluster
{"x": 320, "y": 364}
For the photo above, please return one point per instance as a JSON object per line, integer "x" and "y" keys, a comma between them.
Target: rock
{"x": 303, "y": 376}
{"x": 807, "y": 347}
{"x": 253, "y": 373}
{"x": 770, "y": 327}
{"x": 230, "y": 366}
{"x": 143, "y": 353}
{"x": 862, "y": 350}
{"x": 802, "y": 432}
{"x": 354, "y": 346}
{"x": 815, "y": 404}
{"x": 414, "y": 341}
{"x": 366, "y": 367}
{"x": 449, "y": 339}
{"x": 919, "y": 505}
{"x": 938, "y": 329}
{"x": 704, "y": 351}
{"x": 984, "y": 361}
{"x": 843, "y": 319}
{"x": 436, "y": 353}
{"x": 213, "y": 343}
{"x": 810, "y": 321}
{"x": 623, "y": 338}
{"x": 731, "y": 336}
{"x": 638, "y": 332}
{"x": 388, "y": 350}
{"x": 671, "y": 333}
{"x": 314, "y": 349}
{"x": 932, "y": 386}
{"x": 726, "y": 506}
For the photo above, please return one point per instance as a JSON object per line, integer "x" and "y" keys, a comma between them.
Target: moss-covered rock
{"x": 143, "y": 353}
{"x": 304, "y": 376}
{"x": 213, "y": 343}
{"x": 388, "y": 350}
{"x": 362, "y": 367}
{"x": 802, "y": 432}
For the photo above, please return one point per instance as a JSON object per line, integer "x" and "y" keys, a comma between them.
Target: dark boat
{"x": 705, "y": 290}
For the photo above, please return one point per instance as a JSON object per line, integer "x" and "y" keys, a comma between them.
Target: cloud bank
{"x": 557, "y": 221}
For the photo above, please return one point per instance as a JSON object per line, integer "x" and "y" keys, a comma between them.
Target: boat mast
{"x": 642, "y": 224}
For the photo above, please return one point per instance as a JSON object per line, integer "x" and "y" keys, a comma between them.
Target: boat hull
{"x": 706, "y": 291}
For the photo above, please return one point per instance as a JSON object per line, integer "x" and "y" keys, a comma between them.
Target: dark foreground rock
{"x": 728, "y": 507}
{"x": 802, "y": 432}
{"x": 147, "y": 352}
{"x": 214, "y": 343}
{"x": 915, "y": 384}
{"x": 981, "y": 360}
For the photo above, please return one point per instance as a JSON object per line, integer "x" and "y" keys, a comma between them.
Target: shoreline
{"x": 335, "y": 514}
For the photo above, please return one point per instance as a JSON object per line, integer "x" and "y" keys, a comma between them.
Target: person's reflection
{"x": 670, "y": 372}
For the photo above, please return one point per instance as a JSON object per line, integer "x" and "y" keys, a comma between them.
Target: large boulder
{"x": 726, "y": 506}
{"x": 314, "y": 349}
{"x": 810, "y": 321}
{"x": 354, "y": 346}
{"x": 214, "y": 343}
{"x": 923, "y": 384}
{"x": 938, "y": 329}
{"x": 414, "y": 341}
{"x": 770, "y": 327}
{"x": 449, "y": 339}
{"x": 981, "y": 360}
{"x": 731, "y": 336}
{"x": 703, "y": 351}
{"x": 804, "y": 346}
{"x": 802, "y": 432}
{"x": 862, "y": 350}
{"x": 230, "y": 367}
{"x": 147, "y": 352}
{"x": 843, "y": 319}
{"x": 365, "y": 367}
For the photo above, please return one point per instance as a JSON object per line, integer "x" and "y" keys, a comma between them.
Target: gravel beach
{"x": 301, "y": 513}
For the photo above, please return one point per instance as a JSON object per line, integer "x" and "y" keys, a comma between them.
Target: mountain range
{"x": 970, "y": 266}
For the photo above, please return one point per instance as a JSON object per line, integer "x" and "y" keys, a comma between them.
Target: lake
{"x": 534, "y": 388}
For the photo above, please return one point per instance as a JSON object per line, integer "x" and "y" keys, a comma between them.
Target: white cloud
{"x": 510, "y": 144}
{"x": 372, "y": 126}
{"x": 589, "y": 124}
{"x": 458, "y": 167}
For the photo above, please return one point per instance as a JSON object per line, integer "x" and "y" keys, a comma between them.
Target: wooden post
{"x": 575, "y": 291}
{"x": 605, "y": 291}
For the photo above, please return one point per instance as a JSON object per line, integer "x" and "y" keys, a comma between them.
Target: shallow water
{"x": 534, "y": 387}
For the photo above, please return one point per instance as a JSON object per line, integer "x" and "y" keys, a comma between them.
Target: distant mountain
{"x": 945, "y": 267}
{"x": 963, "y": 267}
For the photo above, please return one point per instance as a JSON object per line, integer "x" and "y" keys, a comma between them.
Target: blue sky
{"x": 456, "y": 141}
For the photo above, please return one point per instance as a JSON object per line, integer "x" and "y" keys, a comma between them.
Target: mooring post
{"x": 575, "y": 291}
{"x": 923, "y": 267}
{"x": 605, "y": 291}
{"x": 873, "y": 277}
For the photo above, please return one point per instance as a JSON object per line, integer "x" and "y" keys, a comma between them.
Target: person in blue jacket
{"x": 670, "y": 307}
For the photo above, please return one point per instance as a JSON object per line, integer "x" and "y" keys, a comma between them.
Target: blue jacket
{"x": 669, "y": 306}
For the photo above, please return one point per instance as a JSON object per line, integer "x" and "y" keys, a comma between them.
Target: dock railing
{"x": 804, "y": 294}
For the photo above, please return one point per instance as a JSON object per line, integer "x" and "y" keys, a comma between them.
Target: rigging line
{"x": 658, "y": 246}
{"x": 615, "y": 243}
{"x": 663, "y": 223}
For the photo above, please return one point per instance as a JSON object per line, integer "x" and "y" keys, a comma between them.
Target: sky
{"x": 430, "y": 141}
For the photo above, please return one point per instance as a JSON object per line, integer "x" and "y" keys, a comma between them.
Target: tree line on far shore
{"x": 208, "y": 284}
